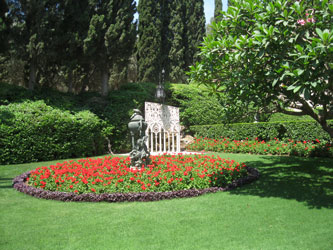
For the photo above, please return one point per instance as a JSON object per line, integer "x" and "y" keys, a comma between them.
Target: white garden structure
{"x": 163, "y": 128}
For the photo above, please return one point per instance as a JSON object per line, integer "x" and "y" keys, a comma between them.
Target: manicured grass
{"x": 289, "y": 207}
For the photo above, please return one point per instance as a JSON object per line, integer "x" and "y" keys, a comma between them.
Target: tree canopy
{"x": 276, "y": 55}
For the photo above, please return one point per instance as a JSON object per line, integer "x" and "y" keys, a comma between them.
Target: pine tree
{"x": 149, "y": 45}
{"x": 217, "y": 10}
{"x": 195, "y": 30}
{"x": 111, "y": 36}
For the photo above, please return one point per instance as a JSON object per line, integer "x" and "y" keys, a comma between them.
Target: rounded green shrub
{"x": 34, "y": 131}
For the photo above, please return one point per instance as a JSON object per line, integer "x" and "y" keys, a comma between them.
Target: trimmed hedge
{"x": 34, "y": 131}
{"x": 114, "y": 110}
{"x": 296, "y": 130}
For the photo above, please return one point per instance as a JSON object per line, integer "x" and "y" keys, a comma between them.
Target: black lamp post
{"x": 160, "y": 93}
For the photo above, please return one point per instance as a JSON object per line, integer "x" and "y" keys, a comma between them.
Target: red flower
{"x": 93, "y": 189}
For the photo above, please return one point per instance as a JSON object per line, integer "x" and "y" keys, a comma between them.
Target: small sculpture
{"x": 139, "y": 154}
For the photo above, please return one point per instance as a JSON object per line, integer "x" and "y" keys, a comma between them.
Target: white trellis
{"x": 163, "y": 128}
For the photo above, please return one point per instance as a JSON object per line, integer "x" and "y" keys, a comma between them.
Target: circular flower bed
{"x": 111, "y": 179}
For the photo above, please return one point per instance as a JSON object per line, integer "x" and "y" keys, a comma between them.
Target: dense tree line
{"x": 69, "y": 40}
{"x": 91, "y": 44}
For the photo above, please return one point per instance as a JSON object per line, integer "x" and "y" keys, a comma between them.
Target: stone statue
{"x": 139, "y": 154}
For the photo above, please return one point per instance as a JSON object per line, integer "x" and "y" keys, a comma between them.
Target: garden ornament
{"x": 139, "y": 154}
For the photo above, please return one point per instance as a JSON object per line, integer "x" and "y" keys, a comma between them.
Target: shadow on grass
{"x": 6, "y": 183}
{"x": 308, "y": 180}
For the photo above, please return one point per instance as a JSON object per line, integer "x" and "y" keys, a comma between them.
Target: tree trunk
{"x": 32, "y": 76}
{"x": 105, "y": 82}
{"x": 327, "y": 128}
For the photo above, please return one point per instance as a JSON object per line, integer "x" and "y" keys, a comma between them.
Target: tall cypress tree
{"x": 35, "y": 25}
{"x": 149, "y": 45}
{"x": 111, "y": 35}
{"x": 195, "y": 30}
{"x": 217, "y": 10}
{"x": 165, "y": 16}
{"x": 177, "y": 41}
{"x": 170, "y": 32}
{"x": 73, "y": 32}
{"x": 3, "y": 26}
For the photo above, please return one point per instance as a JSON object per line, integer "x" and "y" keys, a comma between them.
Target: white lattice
{"x": 163, "y": 128}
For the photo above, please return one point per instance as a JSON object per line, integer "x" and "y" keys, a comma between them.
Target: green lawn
{"x": 289, "y": 207}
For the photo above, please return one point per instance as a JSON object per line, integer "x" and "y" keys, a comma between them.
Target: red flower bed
{"x": 113, "y": 174}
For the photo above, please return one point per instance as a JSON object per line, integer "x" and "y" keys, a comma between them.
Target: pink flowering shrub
{"x": 309, "y": 18}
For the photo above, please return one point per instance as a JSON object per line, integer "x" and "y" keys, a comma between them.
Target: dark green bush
{"x": 12, "y": 93}
{"x": 34, "y": 131}
{"x": 196, "y": 106}
{"x": 199, "y": 107}
{"x": 114, "y": 110}
{"x": 117, "y": 108}
{"x": 296, "y": 130}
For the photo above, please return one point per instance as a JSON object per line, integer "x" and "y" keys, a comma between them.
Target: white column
{"x": 151, "y": 141}
{"x": 178, "y": 142}
{"x": 160, "y": 139}
{"x": 164, "y": 141}
{"x": 155, "y": 142}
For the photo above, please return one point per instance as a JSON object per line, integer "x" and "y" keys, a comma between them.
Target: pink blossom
{"x": 301, "y": 22}
{"x": 311, "y": 20}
